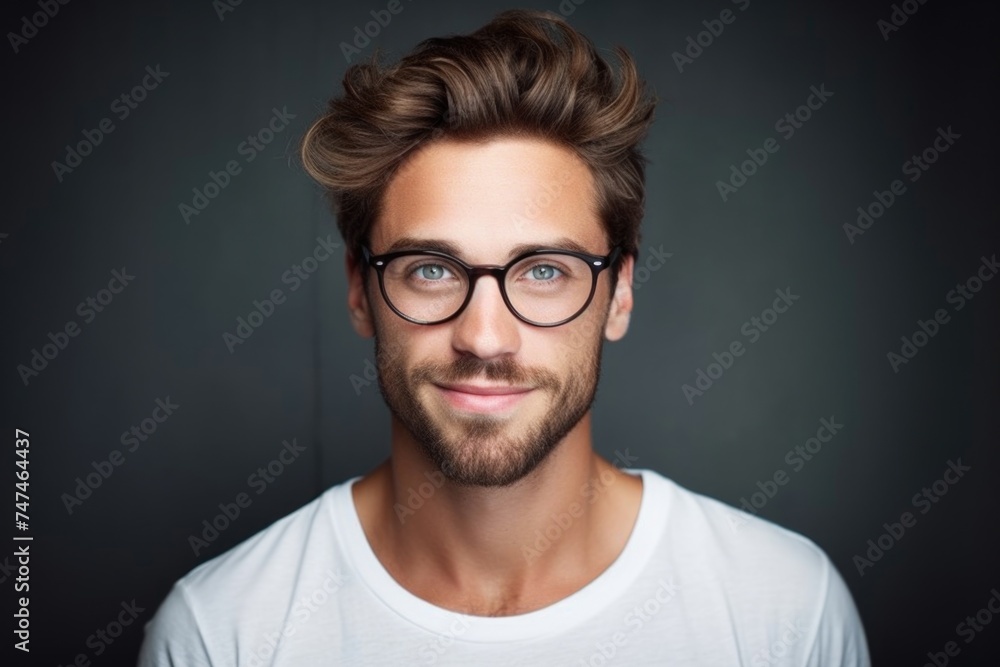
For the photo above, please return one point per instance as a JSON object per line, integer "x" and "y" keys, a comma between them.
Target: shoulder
{"x": 246, "y": 590}
{"x": 717, "y": 534}
{"x": 766, "y": 576}
{"x": 228, "y": 573}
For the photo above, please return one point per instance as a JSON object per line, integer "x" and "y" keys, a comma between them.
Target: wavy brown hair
{"x": 524, "y": 73}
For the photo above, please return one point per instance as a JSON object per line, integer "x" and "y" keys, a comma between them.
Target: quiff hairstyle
{"x": 525, "y": 73}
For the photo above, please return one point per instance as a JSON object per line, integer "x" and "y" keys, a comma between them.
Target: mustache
{"x": 467, "y": 368}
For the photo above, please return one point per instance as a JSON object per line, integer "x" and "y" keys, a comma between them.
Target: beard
{"x": 485, "y": 450}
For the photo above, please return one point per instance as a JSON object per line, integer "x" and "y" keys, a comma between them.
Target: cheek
{"x": 405, "y": 346}
{"x": 581, "y": 337}
{"x": 392, "y": 343}
{"x": 557, "y": 353}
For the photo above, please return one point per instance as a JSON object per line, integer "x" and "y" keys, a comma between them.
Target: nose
{"x": 486, "y": 328}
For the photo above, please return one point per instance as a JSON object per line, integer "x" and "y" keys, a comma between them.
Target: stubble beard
{"x": 486, "y": 452}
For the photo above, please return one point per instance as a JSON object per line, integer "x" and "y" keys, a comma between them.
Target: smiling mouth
{"x": 483, "y": 398}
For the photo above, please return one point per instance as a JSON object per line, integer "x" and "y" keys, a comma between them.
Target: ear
{"x": 621, "y": 302}
{"x": 357, "y": 299}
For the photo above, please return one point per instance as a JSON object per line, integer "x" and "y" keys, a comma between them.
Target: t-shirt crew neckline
{"x": 556, "y": 618}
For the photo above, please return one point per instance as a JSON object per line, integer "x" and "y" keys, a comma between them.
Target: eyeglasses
{"x": 545, "y": 288}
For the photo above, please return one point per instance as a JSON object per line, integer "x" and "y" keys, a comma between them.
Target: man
{"x": 490, "y": 188}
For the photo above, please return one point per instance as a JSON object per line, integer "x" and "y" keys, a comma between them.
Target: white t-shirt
{"x": 698, "y": 583}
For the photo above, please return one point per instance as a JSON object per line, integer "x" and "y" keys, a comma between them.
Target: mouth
{"x": 483, "y": 398}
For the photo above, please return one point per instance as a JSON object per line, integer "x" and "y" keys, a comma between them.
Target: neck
{"x": 498, "y": 550}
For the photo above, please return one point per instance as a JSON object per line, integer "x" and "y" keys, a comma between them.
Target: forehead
{"x": 487, "y": 198}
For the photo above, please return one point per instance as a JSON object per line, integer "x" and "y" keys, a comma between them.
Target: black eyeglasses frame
{"x": 597, "y": 264}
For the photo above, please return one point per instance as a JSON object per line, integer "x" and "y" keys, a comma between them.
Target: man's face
{"x": 485, "y": 199}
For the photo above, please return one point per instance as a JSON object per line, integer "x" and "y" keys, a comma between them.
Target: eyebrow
{"x": 441, "y": 245}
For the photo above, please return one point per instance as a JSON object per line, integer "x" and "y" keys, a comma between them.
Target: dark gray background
{"x": 825, "y": 357}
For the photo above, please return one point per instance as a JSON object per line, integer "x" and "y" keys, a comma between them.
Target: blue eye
{"x": 431, "y": 272}
{"x": 544, "y": 272}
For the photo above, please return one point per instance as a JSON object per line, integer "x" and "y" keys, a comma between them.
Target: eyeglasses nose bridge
{"x": 499, "y": 273}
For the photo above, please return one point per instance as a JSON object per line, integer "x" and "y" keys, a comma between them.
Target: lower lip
{"x": 461, "y": 400}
